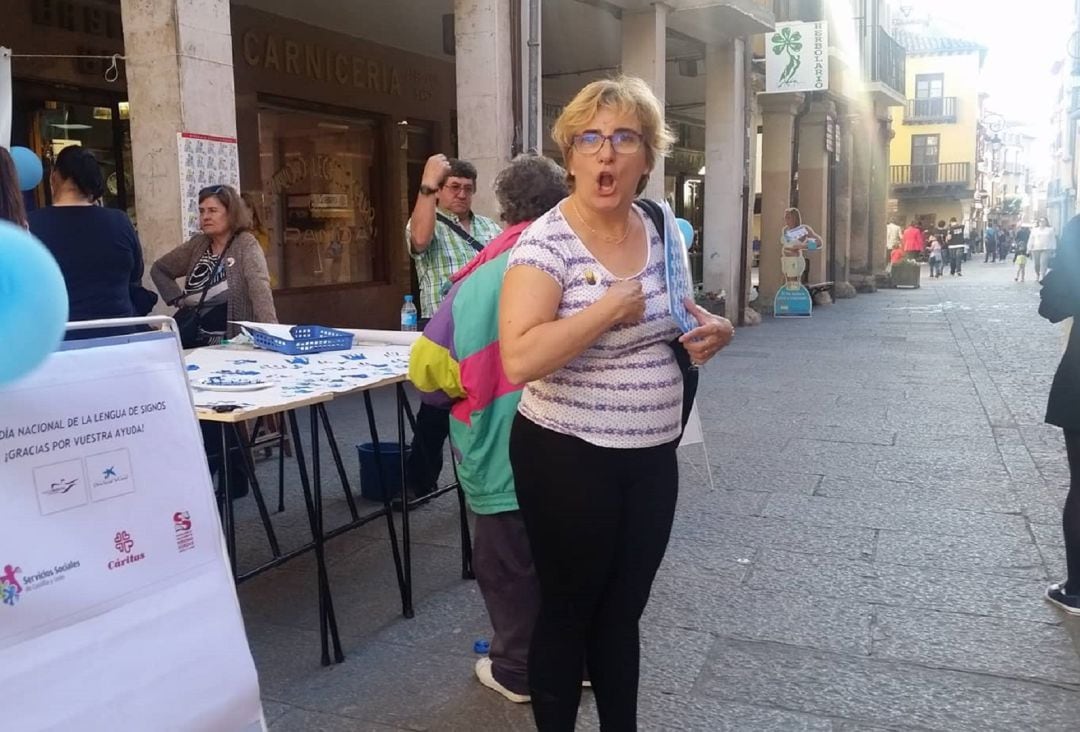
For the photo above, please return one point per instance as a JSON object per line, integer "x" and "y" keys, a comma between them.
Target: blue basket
{"x": 307, "y": 339}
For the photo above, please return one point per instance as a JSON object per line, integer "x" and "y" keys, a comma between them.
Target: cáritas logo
{"x": 125, "y": 544}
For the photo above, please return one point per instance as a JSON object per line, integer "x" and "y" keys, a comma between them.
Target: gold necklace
{"x": 603, "y": 236}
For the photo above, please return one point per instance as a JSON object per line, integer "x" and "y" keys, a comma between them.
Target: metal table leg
{"x": 320, "y": 557}
{"x": 403, "y": 587}
{"x": 316, "y": 472}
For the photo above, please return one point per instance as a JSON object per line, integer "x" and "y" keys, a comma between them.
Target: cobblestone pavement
{"x": 884, "y": 519}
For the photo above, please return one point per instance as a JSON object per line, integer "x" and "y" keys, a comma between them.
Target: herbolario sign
{"x": 797, "y": 57}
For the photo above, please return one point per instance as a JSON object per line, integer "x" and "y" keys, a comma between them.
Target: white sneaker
{"x": 483, "y": 672}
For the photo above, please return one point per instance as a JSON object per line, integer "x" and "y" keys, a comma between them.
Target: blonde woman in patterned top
{"x": 585, "y": 323}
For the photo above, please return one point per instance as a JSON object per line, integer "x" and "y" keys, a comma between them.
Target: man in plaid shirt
{"x": 443, "y": 234}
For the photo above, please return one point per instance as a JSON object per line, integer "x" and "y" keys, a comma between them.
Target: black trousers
{"x": 956, "y": 261}
{"x": 598, "y": 521}
{"x": 238, "y": 476}
{"x": 426, "y": 459}
{"x": 504, "y": 570}
{"x": 1070, "y": 518}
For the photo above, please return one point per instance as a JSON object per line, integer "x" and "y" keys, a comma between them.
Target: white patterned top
{"x": 625, "y": 390}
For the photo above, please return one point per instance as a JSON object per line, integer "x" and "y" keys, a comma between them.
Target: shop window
{"x": 321, "y": 222}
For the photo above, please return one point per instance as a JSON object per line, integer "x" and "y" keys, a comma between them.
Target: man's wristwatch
{"x": 426, "y": 190}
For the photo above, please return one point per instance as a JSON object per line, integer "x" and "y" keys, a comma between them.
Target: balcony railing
{"x": 942, "y": 174}
{"x": 887, "y": 65}
{"x": 929, "y": 111}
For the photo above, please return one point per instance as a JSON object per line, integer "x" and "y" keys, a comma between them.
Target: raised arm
{"x": 422, "y": 222}
{"x": 534, "y": 343}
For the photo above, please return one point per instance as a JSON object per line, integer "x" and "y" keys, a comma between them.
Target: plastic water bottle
{"x": 408, "y": 314}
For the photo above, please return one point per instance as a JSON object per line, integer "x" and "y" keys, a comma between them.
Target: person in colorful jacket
{"x": 456, "y": 364}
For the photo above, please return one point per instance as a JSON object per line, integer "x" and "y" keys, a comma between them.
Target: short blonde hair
{"x": 796, "y": 213}
{"x": 625, "y": 95}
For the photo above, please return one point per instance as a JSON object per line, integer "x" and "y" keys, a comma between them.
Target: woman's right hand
{"x": 627, "y": 300}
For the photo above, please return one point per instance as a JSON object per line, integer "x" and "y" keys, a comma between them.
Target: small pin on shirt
{"x": 590, "y": 277}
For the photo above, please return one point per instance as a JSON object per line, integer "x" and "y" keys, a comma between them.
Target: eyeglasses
{"x": 624, "y": 142}
{"x": 456, "y": 189}
{"x": 211, "y": 190}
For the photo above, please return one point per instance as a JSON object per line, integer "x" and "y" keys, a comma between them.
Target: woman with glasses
{"x": 585, "y": 323}
{"x": 224, "y": 271}
{"x": 97, "y": 248}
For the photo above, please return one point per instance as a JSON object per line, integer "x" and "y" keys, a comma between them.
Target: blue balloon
{"x": 687, "y": 232}
{"x": 28, "y": 167}
{"x": 33, "y": 303}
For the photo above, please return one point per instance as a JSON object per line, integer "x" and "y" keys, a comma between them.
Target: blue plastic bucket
{"x": 371, "y": 487}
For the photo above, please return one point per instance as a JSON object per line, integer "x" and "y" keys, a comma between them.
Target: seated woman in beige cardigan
{"x": 226, "y": 261}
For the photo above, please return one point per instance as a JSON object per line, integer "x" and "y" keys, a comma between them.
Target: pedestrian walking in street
{"x": 955, "y": 242}
{"x": 442, "y": 235}
{"x": 450, "y": 365}
{"x": 894, "y": 234}
{"x": 937, "y": 263}
{"x": 1020, "y": 258}
{"x": 1061, "y": 301}
{"x": 1005, "y": 243}
{"x": 12, "y": 207}
{"x": 991, "y": 243}
{"x": 914, "y": 239}
{"x": 96, "y": 247}
{"x": 1042, "y": 244}
{"x": 586, "y": 324}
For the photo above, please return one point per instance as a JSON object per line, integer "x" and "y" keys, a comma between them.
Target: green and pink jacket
{"x": 456, "y": 364}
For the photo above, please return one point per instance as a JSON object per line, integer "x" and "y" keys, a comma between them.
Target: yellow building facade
{"x": 934, "y": 152}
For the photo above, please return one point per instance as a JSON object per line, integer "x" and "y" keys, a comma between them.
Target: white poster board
{"x": 797, "y": 57}
{"x": 117, "y": 607}
{"x": 205, "y": 160}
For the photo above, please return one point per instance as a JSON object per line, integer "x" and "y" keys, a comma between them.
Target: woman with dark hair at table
{"x": 97, "y": 248}
{"x": 1060, "y": 302}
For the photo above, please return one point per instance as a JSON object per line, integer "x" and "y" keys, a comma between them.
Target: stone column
{"x": 841, "y": 237}
{"x": 879, "y": 201}
{"x": 179, "y": 79}
{"x": 644, "y": 54}
{"x": 725, "y": 143}
{"x": 860, "y": 272}
{"x": 814, "y": 183}
{"x": 778, "y": 127}
{"x": 485, "y": 99}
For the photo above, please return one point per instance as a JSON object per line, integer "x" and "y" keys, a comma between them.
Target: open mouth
{"x": 605, "y": 182}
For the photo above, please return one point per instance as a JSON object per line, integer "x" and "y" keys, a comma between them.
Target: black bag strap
{"x": 653, "y": 211}
{"x": 210, "y": 279}
{"x": 682, "y": 358}
{"x": 469, "y": 238}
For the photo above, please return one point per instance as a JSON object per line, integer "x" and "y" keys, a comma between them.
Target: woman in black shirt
{"x": 1061, "y": 300}
{"x": 97, "y": 248}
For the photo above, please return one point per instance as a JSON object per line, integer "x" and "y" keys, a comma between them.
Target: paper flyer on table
{"x": 117, "y": 606}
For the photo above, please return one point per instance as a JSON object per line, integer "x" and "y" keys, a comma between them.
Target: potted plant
{"x": 906, "y": 272}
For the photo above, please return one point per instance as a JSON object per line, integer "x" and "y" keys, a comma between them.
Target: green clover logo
{"x": 790, "y": 43}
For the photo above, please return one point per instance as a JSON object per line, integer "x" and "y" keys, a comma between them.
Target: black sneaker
{"x": 1056, "y": 594}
